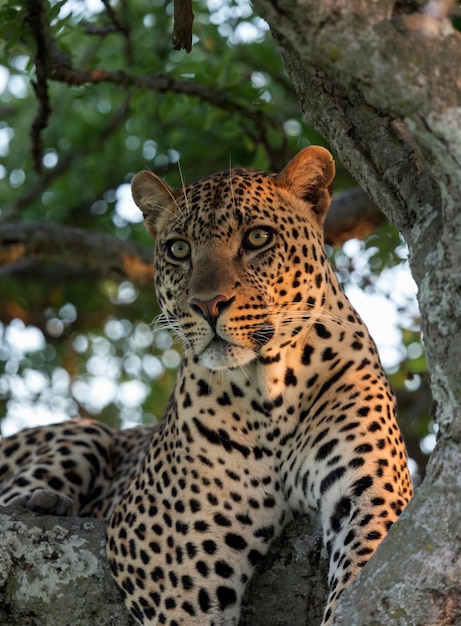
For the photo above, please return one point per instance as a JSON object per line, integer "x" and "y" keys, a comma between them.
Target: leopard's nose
{"x": 210, "y": 309}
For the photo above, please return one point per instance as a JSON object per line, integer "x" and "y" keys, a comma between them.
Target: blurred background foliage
{"x": 74, "y": 342}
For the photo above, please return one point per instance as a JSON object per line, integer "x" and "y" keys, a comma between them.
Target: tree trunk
{"x": 382, "y": 84}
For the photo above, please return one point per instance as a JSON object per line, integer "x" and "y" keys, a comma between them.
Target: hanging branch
{"x": 36, "y": 18}
{"x": 182, "y": 29}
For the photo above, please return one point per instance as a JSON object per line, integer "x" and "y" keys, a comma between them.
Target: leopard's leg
{"x": 56, "y": 469}
{"x": 353, "y": 529}
{"x": 358, "y": 490}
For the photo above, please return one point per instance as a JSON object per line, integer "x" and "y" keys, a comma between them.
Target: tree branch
{"x": 107, "y": 256}
{"x": 352, "y": 215}
{"x": 44, "y": 558}
{"x": 160, "y": 83}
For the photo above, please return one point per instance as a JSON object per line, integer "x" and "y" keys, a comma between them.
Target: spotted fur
{"x": 280, "y": 405}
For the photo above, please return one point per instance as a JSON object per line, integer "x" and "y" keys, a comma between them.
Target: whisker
{"x": 242, "y": 367}
{"x": 174, "y": 328}
{"x": 167, "y": 188}
{"x": 291, "y": 313}
{"x": 167, "y": 210}
{"x": 210, "y": 378}
{"x": 183, "y": 186}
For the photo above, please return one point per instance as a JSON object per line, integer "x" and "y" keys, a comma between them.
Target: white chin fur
{"x": 220, "y": 355}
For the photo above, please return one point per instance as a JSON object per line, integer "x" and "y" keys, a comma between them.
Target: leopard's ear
{"x": 309, "y": 176}
{"x": 154, "y": 197}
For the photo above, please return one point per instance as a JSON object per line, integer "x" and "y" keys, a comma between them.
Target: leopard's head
{"x": 239, "y": 261}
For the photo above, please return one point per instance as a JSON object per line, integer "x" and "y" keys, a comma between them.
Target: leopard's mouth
{"x": 221, "y": 354}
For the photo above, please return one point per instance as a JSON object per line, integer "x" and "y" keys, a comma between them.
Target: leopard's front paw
{"x": 46, "y": 502}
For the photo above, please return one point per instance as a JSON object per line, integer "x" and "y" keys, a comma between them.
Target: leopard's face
{"x": 239, "y": 266}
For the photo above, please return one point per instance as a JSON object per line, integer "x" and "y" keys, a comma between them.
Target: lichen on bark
{"x": 54, "y": 572}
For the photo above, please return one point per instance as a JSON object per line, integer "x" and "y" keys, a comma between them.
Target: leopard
{"x": 280, "y": 408}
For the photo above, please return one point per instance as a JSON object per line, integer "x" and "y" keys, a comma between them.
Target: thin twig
{"x": 120, "y": 27}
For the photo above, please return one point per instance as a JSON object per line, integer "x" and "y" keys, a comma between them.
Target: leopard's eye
{"x": 178, "y": 249}
{"x": 257, "y": 238}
